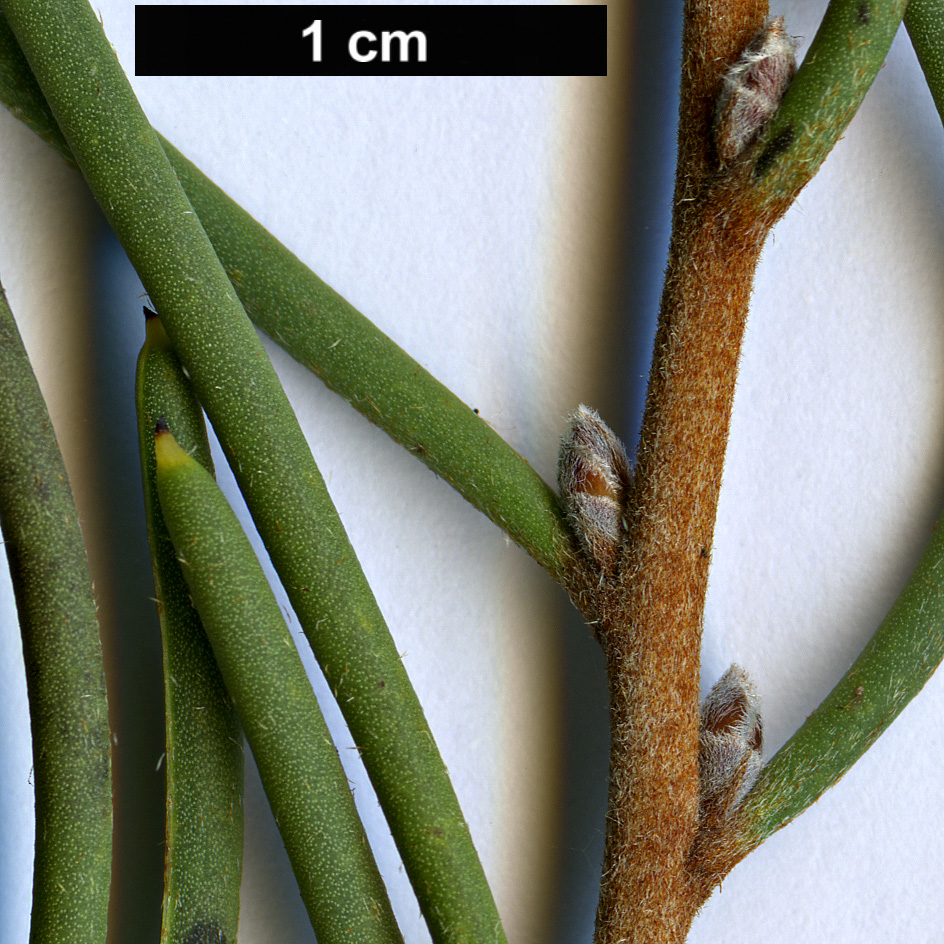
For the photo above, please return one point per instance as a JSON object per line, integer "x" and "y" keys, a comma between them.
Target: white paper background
{"x": 485, "y": 223}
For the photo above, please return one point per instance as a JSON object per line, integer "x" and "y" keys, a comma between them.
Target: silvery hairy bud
{"x": 731, "y": 740}
{"x": 753, "y": 88}
{"x": 594, "y": 479}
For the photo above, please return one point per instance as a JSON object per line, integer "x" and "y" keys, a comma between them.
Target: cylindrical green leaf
{"x": 839, "y": 67}
{"x": 324, "y": 332}
{"x": 297, "y": 761}
{"x": 204, "y": 760}
{"x": 892, "y": 669}
{"x": 924, "y": 20}
{"x": 329, "y": 336}
{"x": 64, "y": 671}
{"x": 138, "y": 190}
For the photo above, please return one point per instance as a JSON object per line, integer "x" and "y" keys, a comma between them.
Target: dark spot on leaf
{"x": 863, "y": 14}
{"x": 773, "y": 149}
{"x": 205, "y": 932}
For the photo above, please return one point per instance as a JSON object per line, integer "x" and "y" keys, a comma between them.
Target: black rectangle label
{"x": 233, "y": 39}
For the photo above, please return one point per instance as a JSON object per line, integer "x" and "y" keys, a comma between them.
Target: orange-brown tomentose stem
{"x": 651, "y": 617}
{"x": 714, "y": 33}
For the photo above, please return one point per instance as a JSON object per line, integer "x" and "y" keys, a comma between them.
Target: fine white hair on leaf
{"x": 594, "y": 478}
{"x": 753, "y": 88}
{"x": 731, "y": 742}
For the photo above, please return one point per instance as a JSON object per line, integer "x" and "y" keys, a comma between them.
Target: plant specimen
{"x": 641, "y": 578}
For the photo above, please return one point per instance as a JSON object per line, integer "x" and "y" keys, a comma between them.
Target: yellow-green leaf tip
{"x": 155, "y": 335}
{"x": 166, "y": 450}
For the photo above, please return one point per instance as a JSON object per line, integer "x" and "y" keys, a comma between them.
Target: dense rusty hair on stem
{"x": 714, "y": 33}
{"x": 652, "y": 617}
{"x": 651, "y": 611}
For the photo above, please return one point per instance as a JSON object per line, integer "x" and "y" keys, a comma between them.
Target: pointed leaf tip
{"x": 167, "y": 452}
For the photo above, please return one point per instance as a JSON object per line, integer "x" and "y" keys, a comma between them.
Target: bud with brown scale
{"x": 730, "y": 743}
{"x": 753, "y": 88}
{"x": 594, "y": 479}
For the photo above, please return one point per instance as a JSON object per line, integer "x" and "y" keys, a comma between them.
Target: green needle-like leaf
{"x": 894, "y": 666}
{"x": 328, "y": 335}
{"x": 299, "y": 766}
{"x": 65, "y": 675}
{"x": 924, "y": 20}
{"x": 204, "y": 760}
{"x": 846, "y": 54}
{"x": 323, "y": 331}
{"x": 134, "y": 183}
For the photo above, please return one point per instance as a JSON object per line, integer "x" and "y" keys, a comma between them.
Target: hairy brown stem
{"x": 669, "y": 841}
{"x": 649, "y": 620}
{"x": 744, "y": 155}
{"x": 713, "y": 34}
